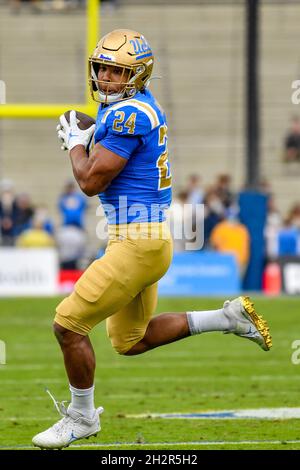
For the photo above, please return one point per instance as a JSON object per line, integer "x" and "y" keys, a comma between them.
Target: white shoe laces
{"x": 62, "y": 408}
{"x": 60, "y": 427}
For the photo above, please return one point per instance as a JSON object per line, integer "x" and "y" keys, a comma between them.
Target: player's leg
{"x": 162, "y": 329}
{"x": 98, "y": 293}
{"x": 128, "y": 326}
{"x": 79, "y": 357}
{"x": 134, "y": 331}
{"x": 80, "y": 363}
{"x": 106, "y": 286}
{"x": 237, "y": 316}
{"x": 169, "y": 327}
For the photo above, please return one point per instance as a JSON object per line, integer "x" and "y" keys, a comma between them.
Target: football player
{"x": 129, "y": 169}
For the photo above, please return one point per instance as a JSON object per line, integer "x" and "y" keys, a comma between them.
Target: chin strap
{"x": 108, "y": 99}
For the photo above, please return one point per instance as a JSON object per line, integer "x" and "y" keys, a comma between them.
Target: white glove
{"x": 70, "y": 135}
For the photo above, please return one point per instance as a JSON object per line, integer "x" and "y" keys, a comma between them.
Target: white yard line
{"x": 186, "y": 379}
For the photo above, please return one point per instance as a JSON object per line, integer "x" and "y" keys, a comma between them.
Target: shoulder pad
{"x": 130, "y": 117}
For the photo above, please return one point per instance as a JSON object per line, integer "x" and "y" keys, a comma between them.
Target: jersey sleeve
{"x": 130, "y": 119}
{"x": 125, "y": 124}
{"x": 120, "y": 144}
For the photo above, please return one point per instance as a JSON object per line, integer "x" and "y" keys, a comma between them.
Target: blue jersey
{"x": 136, "y": 129}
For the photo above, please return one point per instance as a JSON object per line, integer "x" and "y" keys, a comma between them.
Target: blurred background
{"x": 230, "y": 86}
{"x": 234, "y": 144}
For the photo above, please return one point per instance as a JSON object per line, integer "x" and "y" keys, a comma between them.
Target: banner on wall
{"x": 35, "y": 272}
{"x": 290, "y": 275}
{"x": 28, "y": 272}
{"x": 203, "y": 273}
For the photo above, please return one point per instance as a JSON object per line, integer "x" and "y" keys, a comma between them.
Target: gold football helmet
{"x": 128, "y": 50}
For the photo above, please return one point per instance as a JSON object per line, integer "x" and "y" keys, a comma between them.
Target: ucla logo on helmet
{"x": 140, "y": 46}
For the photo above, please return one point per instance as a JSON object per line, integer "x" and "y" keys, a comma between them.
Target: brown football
{"x": 83, "y": 120}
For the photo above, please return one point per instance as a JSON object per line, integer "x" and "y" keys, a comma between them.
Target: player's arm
{"x": 95, "y": 173}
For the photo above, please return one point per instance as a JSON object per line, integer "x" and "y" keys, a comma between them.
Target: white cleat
{"x": 70, "y": 428}
{"x": 246, "y": 322}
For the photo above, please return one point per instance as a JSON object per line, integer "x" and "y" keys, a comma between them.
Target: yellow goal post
{"x": 47, "y": 110}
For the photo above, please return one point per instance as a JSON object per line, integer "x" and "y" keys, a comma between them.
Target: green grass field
{"x": 205, "y": 372}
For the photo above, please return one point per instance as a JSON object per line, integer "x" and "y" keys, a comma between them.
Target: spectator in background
{"x": 42, "y": 213}
{"x": 36, "y": 236}
{"x": 230, "y": 236}
{"x": 294, "y": 215}
{"x": 194, "y": 190}
{"x": 288, "y": 237}
{"x": 71, "y": 243}
{"x": 72, "y": 206}
{"x": 289, "y": 234}
{"x": 8, "y": 212}
{"x": 213, "y": 213}
{"x": 265, "y": 186}
{"x": 292, "y": 142}
{"x": 176, "y": 218}
{"x": 223, "y": 190}
{"x": 24, "y": 213}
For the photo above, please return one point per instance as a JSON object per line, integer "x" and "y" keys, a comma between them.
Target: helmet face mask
{"x": 126, "y": 50}
{"x": 110, "y": 91}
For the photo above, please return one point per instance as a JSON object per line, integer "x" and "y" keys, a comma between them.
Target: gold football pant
{"x": 121, "y": 286}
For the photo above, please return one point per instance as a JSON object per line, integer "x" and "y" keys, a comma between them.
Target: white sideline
{"x": 160, "y": 444}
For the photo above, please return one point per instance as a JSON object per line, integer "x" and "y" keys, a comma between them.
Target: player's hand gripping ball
{"x": 75, "y": 128}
